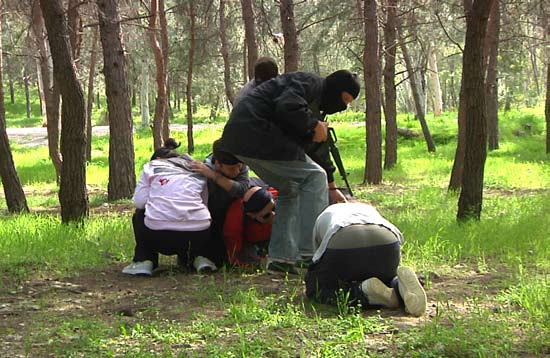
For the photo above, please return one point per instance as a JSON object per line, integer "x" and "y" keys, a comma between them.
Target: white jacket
{"x": 337, "y": 216}
{"x": 174, "y": 197}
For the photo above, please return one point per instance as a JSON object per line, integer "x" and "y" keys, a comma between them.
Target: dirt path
{"x": 37, "y": 136}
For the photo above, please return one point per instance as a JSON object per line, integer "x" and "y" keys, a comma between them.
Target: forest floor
{"x": 27, "y": 308}
{"x": 109, "y": 296}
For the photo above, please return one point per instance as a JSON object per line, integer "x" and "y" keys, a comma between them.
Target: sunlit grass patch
{"x": 481, "y": 333}
{"x": 42, "y": 242}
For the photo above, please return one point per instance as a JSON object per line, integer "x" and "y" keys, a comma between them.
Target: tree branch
{"x": 446, "y": 33}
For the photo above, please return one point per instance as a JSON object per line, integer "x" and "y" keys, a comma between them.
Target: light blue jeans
{"x": 302, "y": 196}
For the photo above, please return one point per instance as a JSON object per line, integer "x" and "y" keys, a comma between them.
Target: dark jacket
{"x": 218, "y": 198}
{"x": 277, "y": 119}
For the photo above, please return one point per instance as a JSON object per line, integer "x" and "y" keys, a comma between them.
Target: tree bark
{"x": 547, "y": 107}
{"x": 547, "y": 101}
{"x": 41, "y": 91}
{"x": 13, "y": 191}
{"x": 72, "y": 190}
{"x": 288, "y": 24}
{"x": 373, "y": 171}
{"x": 90, "y": 101}
{"x": 75, "y": 31}
{"x": 458, "y": 165}
{"x": 225, "y": 54}
{"x": 455, "y": 182}
{"x": 471, "y": 195}
{"x": 166, "y": 57}
{"x": 122, "y": 179}
{"x": 27, "y": 93}
{"x": 491, "y": 80}
{"x": 390, "y": 109}
{"x": 433, "y": 75}
{"x": 144, "y": 93}
{"x": 250, "y": 36}
{"x": 418, "y": 103}
{"x": 189, "y": 86}
{"x": 161, "y": 106}
{"x": 51, "y": 89}
{"x": 12, "y": 91}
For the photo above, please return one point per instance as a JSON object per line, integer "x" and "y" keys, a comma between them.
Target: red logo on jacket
{"x": 163, "y": 181}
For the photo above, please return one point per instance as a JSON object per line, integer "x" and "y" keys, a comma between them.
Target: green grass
{"x": 40, "y": 242}
{"x": 488, "y": 280}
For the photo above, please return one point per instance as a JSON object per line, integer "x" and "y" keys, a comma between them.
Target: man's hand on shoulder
{"x": 201, "y": 168}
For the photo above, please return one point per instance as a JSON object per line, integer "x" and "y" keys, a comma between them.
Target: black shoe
{"x": 247, "y": 257}
{"x": 261, "y": 248}
{"x": 274, "y": 267}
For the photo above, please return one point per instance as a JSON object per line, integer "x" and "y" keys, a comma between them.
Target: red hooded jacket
{"x": 239, "y": 228}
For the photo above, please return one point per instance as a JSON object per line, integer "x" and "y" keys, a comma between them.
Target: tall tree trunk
{"x": 433, "y": 75}
{"x": 373, "y": 171}
{"x": 418, "y": 103}
{"x": 471, "y": 195}
{"x": 75, "y": 31}
{"x": 225, "y": 54}
{"x": 12, "y": 91}
{"x": 544, "y": 16}
{"x": 72, "y": 190}
{"x": 27, "y": 93}
{"x": 288, "y": 24}
{"x": 250, "y": 36}
{"x": 161, "y": 106}
{"x": 457, "y": 172}
{"x": 491, "y": 80}
{"x": 532, "y": 46}
{"x": 458, "y": 165}
{"x": 245, "y": 63}
{"x": 390, "y": 109}
{"x": 166, "y": 56}
{"x": 189, "y": 86}
{"x": 144, "y": 93}
{"x": 90, "y": 102}
{"x": 51, "y": 89}
{"x": 547, "y": 107}
{"x": 13, "y": 191}
{"x": 122, "y": 179}
{"x": 41, "y": 92}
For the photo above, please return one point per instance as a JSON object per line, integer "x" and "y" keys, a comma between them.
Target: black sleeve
{"x": 292, "y": 112}
{"x": 320, "y": 154}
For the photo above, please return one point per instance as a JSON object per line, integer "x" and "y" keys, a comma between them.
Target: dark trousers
{"x": 346, "y": 269}
{"x": 215, "y": 249}
{"x": 150, "y": 243}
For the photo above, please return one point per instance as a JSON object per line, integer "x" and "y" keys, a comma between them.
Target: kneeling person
{"x": 172, "y": 216}
{"x": 359, "y": 254}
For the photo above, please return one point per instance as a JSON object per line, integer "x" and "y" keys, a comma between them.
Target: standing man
{"x": 265, "y": 69}
{"x": 268, "y": 130}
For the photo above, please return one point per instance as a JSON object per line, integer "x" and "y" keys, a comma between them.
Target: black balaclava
{"x": 333, "y": 86}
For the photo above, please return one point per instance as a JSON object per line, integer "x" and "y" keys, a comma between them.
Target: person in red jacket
{"x": 247, "y": 225}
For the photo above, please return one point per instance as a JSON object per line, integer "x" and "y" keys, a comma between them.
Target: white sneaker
{"x": 139, "y": 268}
{"x": 378, "y": 294}
{"x": 204, "y": 265}
{"x": 411, "y": 291}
